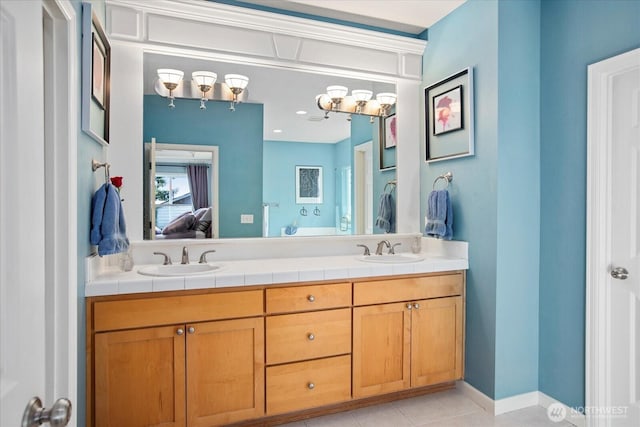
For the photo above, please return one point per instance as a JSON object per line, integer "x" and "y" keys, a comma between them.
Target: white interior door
{"x": 363, "y": 188}
{"x": 36, "y": 337}
{"x": 625, "y": 247}
{"x": 22, "y": 355}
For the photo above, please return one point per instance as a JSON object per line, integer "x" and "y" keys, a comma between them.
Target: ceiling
{"x": 284, "y": 92}
{"x": 409, "y": 16}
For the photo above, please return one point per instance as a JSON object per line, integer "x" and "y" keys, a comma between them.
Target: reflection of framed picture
{"x": 388, "y": 142}
{"x": 98, "y": 70}
{"x": 308, "y": 184}
{"x": 449, "y": 129}
{"x": 447, "y": 110}
{"x": 96, "y": 66}
{"x": 390, "y": 139}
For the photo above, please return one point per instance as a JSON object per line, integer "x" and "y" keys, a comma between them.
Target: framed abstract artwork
{"x": 388, "y": 142}
{"x": 308, "y": 184}
{"x": 449, "y": 127}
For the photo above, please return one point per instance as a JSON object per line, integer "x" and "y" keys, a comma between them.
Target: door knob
{"x": 620, "y": 273}
{"x": 35, "y": 414}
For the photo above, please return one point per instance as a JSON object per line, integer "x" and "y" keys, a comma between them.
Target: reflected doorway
{"x": 363, "y": 188}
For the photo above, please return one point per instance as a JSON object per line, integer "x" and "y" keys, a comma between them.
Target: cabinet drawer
{"x": 310, "y": 384}
{"x": 414, "y": 288}
{"x": 136, "y": 313}
{"x": 292, "y": 337}
{"x": 304, "y": 298}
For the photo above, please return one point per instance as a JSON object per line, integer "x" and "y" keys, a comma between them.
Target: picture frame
{"x": 388, "y": 142}
{"x": 449, "y": 117}
{"x": 309, "y": 185}
{"x": 96, "y": 73}
{"x": 98, "y": 61}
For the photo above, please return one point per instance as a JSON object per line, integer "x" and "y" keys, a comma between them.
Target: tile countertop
{"x": 438, "y": 256}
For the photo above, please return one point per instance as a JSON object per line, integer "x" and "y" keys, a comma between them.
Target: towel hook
{"x": 95, "y": 165}
{"x": 391, "y": 183}
{"x": 448, "y": 177}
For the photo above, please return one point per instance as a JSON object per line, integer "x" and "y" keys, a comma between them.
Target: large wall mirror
{"x": 256, "y": 153}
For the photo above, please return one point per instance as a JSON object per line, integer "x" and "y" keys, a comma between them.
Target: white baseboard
{"x": 520, "y": 401}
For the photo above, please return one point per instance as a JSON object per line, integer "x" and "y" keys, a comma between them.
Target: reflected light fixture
{"x": 170, "y": 79}
{"x": 205, "y": 81}
{"x": 236, "y": 83}
{"x": 361, "y": 96}
{"x": 359, "y": 102}
{"x": 386, "y": 101}
{"x": 337, "y": 94}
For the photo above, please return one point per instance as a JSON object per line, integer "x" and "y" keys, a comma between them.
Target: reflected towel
{"x": 386, "y": 213}
{"x": 439, "y": 215}
{"x": 108, "y": 229}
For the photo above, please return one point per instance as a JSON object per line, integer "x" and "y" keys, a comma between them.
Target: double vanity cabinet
{"x": 260, "y": 355}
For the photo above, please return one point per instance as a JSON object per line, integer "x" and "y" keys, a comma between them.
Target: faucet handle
{"x": 203, "y": 256}
{"x": 392, "y": 250}
{"x": 366, "y": 249}
{"x": 167, "y": 259}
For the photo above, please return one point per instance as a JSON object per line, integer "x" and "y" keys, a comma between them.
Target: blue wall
{"x": 518, "y": 236}
{"x": 239, "y": 136}
{"x": 280, "y": 161}
{"x": 469, "y": 37}
{"x": 573, "y": 35}
{"x": 520, "y": 201}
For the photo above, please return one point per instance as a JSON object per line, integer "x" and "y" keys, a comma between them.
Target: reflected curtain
{"x": 199, "y": 185}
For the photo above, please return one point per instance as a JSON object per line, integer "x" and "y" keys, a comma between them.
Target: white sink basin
{"x": 391, "y": 259}
{"x": 178, "y": 269}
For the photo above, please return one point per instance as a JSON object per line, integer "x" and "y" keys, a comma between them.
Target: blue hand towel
{"x": 439, "y": 215}
{"x": 108, "y": 229}
{"x": 386, "y": 218}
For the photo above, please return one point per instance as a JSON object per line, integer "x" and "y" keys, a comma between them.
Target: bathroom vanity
{"x": 263, "y": 354}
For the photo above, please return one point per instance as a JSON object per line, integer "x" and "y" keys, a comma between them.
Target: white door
{"x": 24, "y": 332}
{"x": 363, "y": 188}
{"x": 625, "y": 248}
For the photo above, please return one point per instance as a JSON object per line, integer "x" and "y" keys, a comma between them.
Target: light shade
{"x": 361, "y": 95}
{"x": 236, "y": 81}
{"x": 204, "y": 78}
{"x": 386, "y": 98}
{"x": 170, "y": 76}
{"x": 337, "y": 92}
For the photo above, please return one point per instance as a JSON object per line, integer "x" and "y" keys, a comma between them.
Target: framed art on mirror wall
{"x": 308, "y": 184}
{"x": 448, "y": 106}
{"x": 96, "y": 68}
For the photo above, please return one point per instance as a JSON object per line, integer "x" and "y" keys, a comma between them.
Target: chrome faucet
{"x": 366, "y": 249}
{"x": 203, "y": 256}
{"x": 167, "y": 258}
{"x": 185, "y": 255}
{"x": 382, "y": 244}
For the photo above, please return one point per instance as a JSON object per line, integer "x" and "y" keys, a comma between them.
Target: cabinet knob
{"x": 311, "y": 298}
{"x": 191, "y": 329}
{"x": 311, "y": 386}
{"x": 409, "y": 306}
{"x": 311, "y": 337}
{"x": 180, "y": 331}
{"x": 416, "y": 305}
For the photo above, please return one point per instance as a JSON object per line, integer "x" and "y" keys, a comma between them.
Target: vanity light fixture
{"x": 360, "y": 102}
{"x": 337, "y": 94}
{"x": 205, "y": 81}
{"x": 236, "y": 83}
{"x": 386, "y": 101}
{"x": 170, "y": 79}
{"x": 361, "y": 97}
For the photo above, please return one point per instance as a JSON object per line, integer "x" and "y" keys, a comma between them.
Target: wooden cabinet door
{"x": 225, "y": 371}
{"x": 140, "y": 378}
{"x": 436, "y": 341}
{"x": 381, "y": 349}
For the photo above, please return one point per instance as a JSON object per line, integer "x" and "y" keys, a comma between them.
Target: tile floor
{"x": 446, "y": 409}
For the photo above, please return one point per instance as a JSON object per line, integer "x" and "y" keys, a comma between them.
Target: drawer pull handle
{"x": 409, "y": 306}
{"x": 311, "y": 337}
{"x": 311, "y": 386}
{"x": 180, "y": 331}
{"x": 311, "y": 298}
{"x": 416, "y": 305}
{"x": 191, "y": 330}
